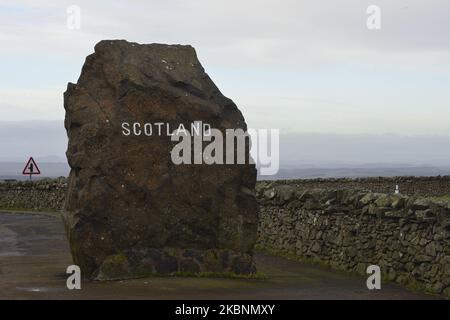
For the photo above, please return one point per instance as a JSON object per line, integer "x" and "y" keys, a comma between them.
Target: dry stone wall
{"x": 40, "y": 195}
{"x": 422, "y": 186}
{"x": 50, "y": 193}
{"x": 406, "y": 236}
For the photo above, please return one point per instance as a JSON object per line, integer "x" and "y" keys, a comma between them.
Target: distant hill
{"x": 13, "y": 170}
{"x": 356, "y": 172}
{"x": 302, "y": 155}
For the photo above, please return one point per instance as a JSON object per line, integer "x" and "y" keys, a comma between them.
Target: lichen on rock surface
{"x": 125, "y": 195}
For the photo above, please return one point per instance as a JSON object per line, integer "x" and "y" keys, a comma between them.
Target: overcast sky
{"x": 302, "y": 66}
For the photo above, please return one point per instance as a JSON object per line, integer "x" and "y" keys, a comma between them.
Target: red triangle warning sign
{"x": 31, "y": 167}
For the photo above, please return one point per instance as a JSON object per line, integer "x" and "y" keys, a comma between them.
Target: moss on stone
{"x": 113, "y": 267}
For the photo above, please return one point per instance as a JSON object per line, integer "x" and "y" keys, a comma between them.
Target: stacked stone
{"x": 40, "y": 195}
{"x": 408, "y": 237}
{"x": 423, "y": 186}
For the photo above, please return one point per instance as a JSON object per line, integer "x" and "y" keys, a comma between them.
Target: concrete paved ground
{"x": 34, "y": 255}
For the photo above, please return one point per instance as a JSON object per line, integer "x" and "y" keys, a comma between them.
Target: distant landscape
{"x": 349, "y": 172}
{"x": 302, "y": 155}
{"x": 13, "y": 170}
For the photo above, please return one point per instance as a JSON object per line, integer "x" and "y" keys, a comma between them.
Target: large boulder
{"x": 130, "y": 210}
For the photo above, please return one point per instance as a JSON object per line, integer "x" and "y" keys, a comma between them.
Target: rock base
{"x": 168, "y": 261}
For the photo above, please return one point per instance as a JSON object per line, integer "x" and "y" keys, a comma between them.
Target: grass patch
{"x": 294, "y": 257}
{"x": 181, "y": 274}
{"x": 229, "y": 275}
{"x": 443, "y": 198}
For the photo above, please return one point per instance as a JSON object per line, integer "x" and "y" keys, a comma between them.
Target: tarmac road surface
{"x": 34, "y": 255}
